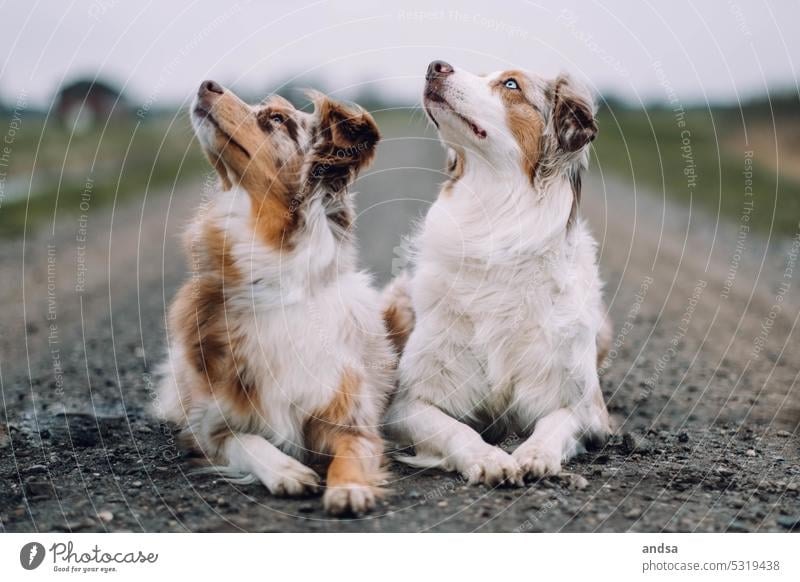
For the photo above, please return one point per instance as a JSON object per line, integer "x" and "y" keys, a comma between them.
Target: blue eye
{"x": 511, "y": 84}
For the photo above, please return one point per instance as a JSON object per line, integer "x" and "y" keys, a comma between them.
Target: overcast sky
{"x": 159, "y": 51}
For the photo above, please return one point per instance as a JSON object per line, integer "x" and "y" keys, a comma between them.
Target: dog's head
{"x": 273, "y": 147}
{"x": 511, "y": 115}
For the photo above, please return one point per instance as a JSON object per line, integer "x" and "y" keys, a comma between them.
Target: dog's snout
{"x": 438, "y": 69}
{"x": 211, "y": 87}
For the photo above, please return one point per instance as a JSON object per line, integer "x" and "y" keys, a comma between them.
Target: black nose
{"x": 437, "y": 70}
{"x": 212, "y": 87}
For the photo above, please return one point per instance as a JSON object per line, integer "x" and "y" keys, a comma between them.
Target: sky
{"x": 684, "y": 51}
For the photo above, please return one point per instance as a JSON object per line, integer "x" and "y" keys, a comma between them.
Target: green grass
{"x": 703, "y": 160}
{"x": 51, "y": 170}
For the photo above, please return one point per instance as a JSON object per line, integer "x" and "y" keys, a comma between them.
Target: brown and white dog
{"x": 504, "y": 306}
{"x": 278, "y": 354}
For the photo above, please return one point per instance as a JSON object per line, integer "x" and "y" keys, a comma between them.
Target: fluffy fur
{"x": 278, "y": 355}
{"x": 505, "y": 292}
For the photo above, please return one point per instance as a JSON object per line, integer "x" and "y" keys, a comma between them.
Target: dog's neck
{"x": 539, "y": 213}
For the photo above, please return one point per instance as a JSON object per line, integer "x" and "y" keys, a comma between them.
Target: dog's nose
{"x": 211, "y": 87}
{"x": 437, "y": 70}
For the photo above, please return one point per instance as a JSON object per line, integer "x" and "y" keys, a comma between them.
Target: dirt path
{"x": 702, "y": 380}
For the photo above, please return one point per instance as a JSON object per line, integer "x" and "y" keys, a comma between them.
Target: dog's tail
{"x": 423, "y": 461}
{"x": 398, "y": 312}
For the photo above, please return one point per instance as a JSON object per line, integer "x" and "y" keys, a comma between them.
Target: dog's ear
{"x": 345, "y": 141}
{"x": 573, "y": 117}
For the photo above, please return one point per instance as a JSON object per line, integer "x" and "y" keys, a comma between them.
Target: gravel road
{"x": 702, "y": 381}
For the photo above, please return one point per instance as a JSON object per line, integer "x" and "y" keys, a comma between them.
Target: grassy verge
{"x": 735, "y": 163}
{"x": 50, "y": 171}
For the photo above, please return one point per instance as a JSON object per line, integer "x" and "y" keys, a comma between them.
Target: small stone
{"x": 105, "y": 516}
{"x": 632, "y": 443}
{"x": 633, "y": 513}
{"x": 683, "y": 438}
{"x": 578, "y": 482}
{"x": 36, "y": 488}
{"x": 790, "y": 522}
{"x": 136, "y": 484}
{"x": 784, "y": 434}
{"x": 414, "y": 494}
{"x": 442, "y": 503}
{"x": 750, "y": 453}
{"x": 35, "y": 470}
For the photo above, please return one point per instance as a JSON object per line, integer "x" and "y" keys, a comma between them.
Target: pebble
{"x": 792, "y": 523}
{"x": 633, "y": 513}
{"x": 105, "y": 516}
{"x": 136, "y": 484}
{"x": 578, "y": 482}
{"x": 683, "y": 438}
{"x": 442, "y": 503}
{"x": 632, "y": 443}
{"x": 750, "y": 453}
{"x": 36, "y": 488}
{"x": 785, "y": 434}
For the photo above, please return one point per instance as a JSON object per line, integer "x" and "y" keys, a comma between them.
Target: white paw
{"x": 292, "y": 478}
{"x": 537, "y": 461}
{"x": 492, "y": 466}
{"x": 350, "y": 498}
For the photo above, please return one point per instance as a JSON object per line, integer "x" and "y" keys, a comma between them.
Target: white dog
{"x": 499, "y": 322}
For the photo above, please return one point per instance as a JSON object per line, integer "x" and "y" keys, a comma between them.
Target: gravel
{"x": 707, "y": 434}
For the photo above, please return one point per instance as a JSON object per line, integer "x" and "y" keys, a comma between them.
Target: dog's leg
{"x": 554, "y": 438}
{"x": 441, "y": 440}
{"x": 355, "y": 473}
{"x": 560, "y": 435}
{"x": 280, "y": 473}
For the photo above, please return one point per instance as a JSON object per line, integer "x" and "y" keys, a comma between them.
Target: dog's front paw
{"x": 492, "y": 466}
{"x": 348, "y": 498}
{"x": 292, "y": 478}
{"x": 537, "y": 461}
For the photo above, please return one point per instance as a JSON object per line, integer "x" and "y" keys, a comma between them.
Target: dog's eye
{"x": 511, "y": 84}
{"x": 276, "y": 118}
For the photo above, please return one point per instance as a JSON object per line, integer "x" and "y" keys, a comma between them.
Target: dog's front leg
{"x": 355, "y": 473}
{"x": 441, "y": 440}
{"x": 559, "y": 435}
{"x": 554, "y": 438}
{"x": 280, "y": 473}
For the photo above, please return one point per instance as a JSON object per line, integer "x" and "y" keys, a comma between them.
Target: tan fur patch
{"x": 322, "y": 427}
{"x": 346, "y": 466}
{"x": 455, "y": 171}
{"x": 399, "y": 320}
{"x": 524, "y": 121}
{"x": 198, "y": 321}
{"x": 245, "y": 153}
